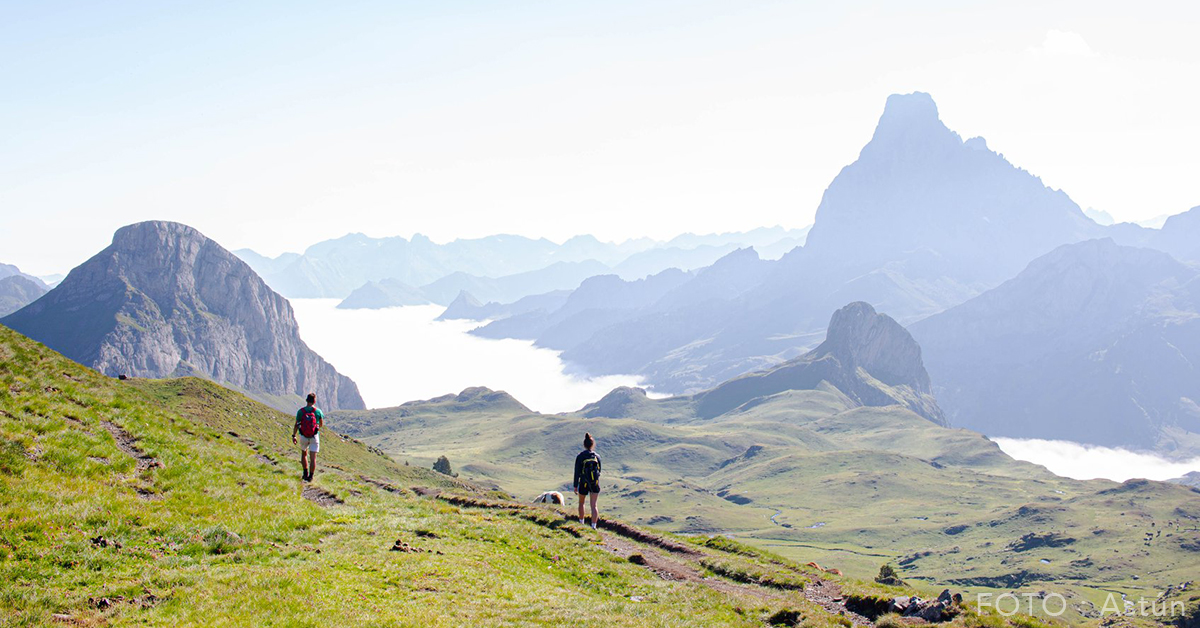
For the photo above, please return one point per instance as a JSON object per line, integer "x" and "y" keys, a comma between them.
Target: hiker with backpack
{"x": 587, "y": 477}
{"x": 309, "y": 421}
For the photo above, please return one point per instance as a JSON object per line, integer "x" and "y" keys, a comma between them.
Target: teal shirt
{"x": 320, "y": 417}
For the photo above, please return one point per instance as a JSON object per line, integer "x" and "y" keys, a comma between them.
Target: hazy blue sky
{"x": 275, "y": 125}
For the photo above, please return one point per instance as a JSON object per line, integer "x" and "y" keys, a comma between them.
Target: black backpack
{"x": 590, "y": 474}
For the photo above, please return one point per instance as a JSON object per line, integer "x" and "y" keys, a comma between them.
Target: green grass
{"x": 849, "y": 488}
{"x": 211, "y": 527}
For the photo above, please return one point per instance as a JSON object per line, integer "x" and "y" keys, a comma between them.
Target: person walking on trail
{"x": 309, "y": 421}
{"x": 587, "y": 477}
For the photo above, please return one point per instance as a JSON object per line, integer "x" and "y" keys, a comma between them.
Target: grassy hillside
{"x": 177, "y": 503}
{"x": 811, "y": 477}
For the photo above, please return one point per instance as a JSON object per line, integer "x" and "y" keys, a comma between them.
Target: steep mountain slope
{"x": 17, "y": 291}
{"x": 164, "y": 300}
{"x": 1093, "y": 342}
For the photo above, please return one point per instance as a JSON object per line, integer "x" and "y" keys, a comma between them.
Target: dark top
{"x": 584, "y": 455}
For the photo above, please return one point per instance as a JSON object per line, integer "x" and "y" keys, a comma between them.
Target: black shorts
{"x": 584, "y": 489}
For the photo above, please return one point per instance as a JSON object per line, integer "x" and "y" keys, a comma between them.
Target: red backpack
{"x": 308, "y": 421}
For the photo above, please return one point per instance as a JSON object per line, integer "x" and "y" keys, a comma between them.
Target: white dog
{"x": 550, "y": 497}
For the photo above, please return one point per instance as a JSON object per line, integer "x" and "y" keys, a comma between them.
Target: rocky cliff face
{"x": 868, "y": 356}
{"x": 163, "y": 300}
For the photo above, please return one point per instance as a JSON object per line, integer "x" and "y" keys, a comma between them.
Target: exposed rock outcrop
{"x": 866, "y": 355}
{"x": 164, "y": 300}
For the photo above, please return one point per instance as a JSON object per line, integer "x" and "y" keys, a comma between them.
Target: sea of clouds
{"x": 1086, "y": 462}
{"x": 402, "y": 354}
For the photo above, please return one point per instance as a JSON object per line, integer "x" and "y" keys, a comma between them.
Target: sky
{"x": 277, "y": 125}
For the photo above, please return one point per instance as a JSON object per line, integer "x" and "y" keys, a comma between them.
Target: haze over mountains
{"x": 500, "y": 268}
{"x": 165, "y": 301}
{"x": 921, "y": 222}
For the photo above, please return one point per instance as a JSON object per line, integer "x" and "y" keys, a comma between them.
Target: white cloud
{"x": 1088, "y": 462}
{"x": 1065, "y": 43}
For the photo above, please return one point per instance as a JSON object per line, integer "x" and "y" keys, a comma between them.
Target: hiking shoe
{"x": 594, "y": 526}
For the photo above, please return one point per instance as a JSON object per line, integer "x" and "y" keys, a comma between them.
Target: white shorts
{"x": 309, "y": 444}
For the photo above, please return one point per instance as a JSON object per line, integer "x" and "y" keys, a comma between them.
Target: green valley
{"x": 814, "y": 477}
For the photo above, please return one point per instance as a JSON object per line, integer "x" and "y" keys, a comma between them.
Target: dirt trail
{"x": 672, "y": 560}
{"x": 665, "y": 566}
{"x": 684, "y": 566}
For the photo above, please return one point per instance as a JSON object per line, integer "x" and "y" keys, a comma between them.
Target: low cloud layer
{"x": 1087, "y": 462}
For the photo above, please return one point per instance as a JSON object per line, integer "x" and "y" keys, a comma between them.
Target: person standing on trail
{"x": 309, "y": 421}
{"x": 587, "y": 477}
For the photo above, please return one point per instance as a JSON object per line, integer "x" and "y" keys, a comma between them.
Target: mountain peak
{"x": 909, "y": 107}
{"x": 138, "y": 232}
{"x": 861, "y": 337}
{"x": 910, "y": 119}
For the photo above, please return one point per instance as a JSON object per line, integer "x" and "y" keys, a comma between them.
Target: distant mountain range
{"x": 920, "y": 222}
{"x": 500, "y": 268}
{"x": 500, "y": 290}
{"x": 923, "y": 221}
{"x": 163, "y": 300}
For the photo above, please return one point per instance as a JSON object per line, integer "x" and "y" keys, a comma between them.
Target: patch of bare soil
{"x": 320, "y": 496}
{"x": 258, "y": 455}
{"x": 828, "y": 596}
{"x": 648, "y": 538}
{"x": 128, "y": 444}
{"x": 391, "y": 488}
